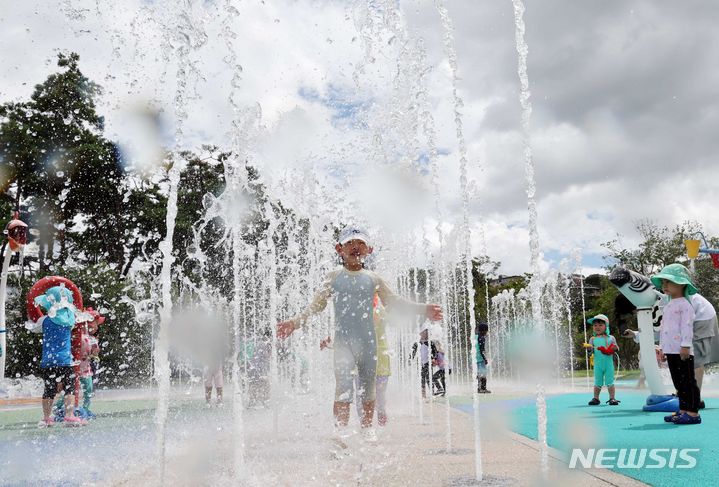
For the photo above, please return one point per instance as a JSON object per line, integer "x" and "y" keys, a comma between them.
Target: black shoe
{"x": 701, "y": 405}
{"x": 613, "y": 402}
{"x": 594, "y": 402}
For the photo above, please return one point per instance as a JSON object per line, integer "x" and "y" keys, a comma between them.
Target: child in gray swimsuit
{"x": 352, "y": 289}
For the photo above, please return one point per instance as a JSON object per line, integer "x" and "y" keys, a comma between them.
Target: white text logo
{"x": 633, "y": 458}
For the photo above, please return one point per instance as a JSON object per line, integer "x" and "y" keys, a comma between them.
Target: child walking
{"x": 606, "y": 345}
{"x": 482, "y": 363}
{"x": 427, "y": 355}
{"x": 438, "y": 378}
{"x": 675, "y": 340}
{"x": 352, "y": 289}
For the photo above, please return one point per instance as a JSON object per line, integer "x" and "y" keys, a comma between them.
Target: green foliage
{"x": 659, "y": 246}
{"x": 54, "y": 154}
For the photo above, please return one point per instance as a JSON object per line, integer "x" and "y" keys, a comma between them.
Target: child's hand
{"x": 285, "y": 329}
{"x": 629, "y": 333}
{"x": 660, "y": 355}
{"x": 325, "y": 343}
{"x": 434, "y": 312}
{"x": 684, "y": 353}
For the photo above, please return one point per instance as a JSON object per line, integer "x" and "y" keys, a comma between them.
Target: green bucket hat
{"x": 678, "y": 274}
{"x": 600, "y": 318}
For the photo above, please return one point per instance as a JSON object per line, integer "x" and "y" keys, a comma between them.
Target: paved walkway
{"x": 408, "y": 452}
{"x": 119, "y": 447}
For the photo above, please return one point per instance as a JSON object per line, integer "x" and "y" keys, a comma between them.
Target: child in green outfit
{"x": 606, "y": 344}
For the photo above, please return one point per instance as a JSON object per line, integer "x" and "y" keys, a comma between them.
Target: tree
{"x": 661, "y": 246}
{"x": 56, "y": 158}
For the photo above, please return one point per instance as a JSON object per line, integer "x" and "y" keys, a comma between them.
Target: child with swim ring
{"x": 603, "y": 346}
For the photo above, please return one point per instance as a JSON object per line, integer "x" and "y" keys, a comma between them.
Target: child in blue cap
{"x": 675, "y": 340}
{"x": 606, "y": 345}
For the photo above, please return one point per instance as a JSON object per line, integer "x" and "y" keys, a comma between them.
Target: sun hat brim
{"x": 680, "y": 280}
{"x": 598, "y": 317}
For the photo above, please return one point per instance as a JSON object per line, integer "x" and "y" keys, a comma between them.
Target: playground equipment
{"x": 694, "y": 248}
{"x": 639, "y": 290}
{"x": 16, "y": 233}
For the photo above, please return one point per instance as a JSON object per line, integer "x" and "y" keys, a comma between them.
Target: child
{"x": 606, "y": 344}
{"x": 706, "y": 338}
{"x": 88, "y": 350}
{"x": 352, "y": 289}
{"x": 675, "y": 340}
{"x": 482, "y": 362}
{"x": 212, "y": 375}
{"x": 258, "y": 370}
{"x": 438, "y": 378}
{"x": 56, "y": 363}
{"x": 427, "y": 354}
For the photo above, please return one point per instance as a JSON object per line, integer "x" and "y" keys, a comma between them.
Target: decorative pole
{"x": 16, "y": 233}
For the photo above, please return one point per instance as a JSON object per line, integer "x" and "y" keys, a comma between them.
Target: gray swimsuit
{"x": 355, "y": 344}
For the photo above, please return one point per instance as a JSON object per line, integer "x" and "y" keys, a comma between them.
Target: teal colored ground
{"x": 572, "y": 423}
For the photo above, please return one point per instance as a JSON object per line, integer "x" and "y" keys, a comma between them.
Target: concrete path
{"x": 290, "y": 447}
{"x": 408, "y": 453}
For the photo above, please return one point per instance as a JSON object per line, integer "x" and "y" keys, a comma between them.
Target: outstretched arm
{"x": 319, "y": 303}
{"x": 395, "y": 302}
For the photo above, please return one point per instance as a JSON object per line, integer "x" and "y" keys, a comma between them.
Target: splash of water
{"x": 577, "y": 259}
{"x": 187, "y": 38}
{"x": 466, "y": 252}
{"x": 566, "y": 291}
{"x": 534, "y": 285}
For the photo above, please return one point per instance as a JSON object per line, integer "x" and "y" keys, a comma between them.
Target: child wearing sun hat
{"x": 675, "y": 340}
{"x": 606, "y": 345}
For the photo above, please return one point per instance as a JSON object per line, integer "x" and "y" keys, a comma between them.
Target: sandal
{"x": 672, "y": 417}
{"x": 613, "y": 402}
{"x": 686, "y": 419}
{"x": 594, "y": 402}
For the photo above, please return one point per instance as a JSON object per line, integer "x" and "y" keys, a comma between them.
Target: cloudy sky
{"x": 625, "y": 99}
